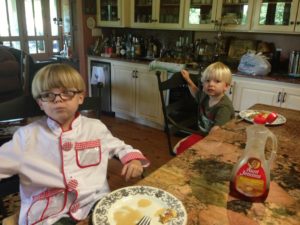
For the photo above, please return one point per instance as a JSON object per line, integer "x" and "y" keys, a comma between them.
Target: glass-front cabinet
{"x": 200, "y": 14}
{"x": 236, "y": 14}
{"x": 112, "y": 13}
{"x": 277, "y": 15}
{"x": 208, "y": 14}
{"x": 157, "y": 13}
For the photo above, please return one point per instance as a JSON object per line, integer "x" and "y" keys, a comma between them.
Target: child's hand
{"x": 132, "y": 169}
{"x": 185, "y": 74}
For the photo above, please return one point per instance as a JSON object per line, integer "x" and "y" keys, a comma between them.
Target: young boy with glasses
{"x": 62, "y": 158}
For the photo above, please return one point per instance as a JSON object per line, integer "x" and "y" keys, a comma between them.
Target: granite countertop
{"x": 200, "y": 177}
{"x": 271, "y": 77}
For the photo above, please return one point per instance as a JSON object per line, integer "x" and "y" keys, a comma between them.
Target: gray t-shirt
{"x": 217, "y": 115}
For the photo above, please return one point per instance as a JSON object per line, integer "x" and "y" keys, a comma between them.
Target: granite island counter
{"x": 200, "y": 177}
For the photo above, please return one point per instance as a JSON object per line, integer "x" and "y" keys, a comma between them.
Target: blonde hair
{"x": 218, "y": 71}
{"x": 56, "y": 75}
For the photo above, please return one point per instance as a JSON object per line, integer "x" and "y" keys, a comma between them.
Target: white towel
{"x": 170, "y": 67}
{"x": 98, "y": 75}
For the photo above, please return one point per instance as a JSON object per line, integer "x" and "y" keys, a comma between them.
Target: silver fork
{"x": 145, "y": 220}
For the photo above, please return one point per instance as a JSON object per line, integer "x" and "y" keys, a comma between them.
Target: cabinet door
{"x": 235, "y": 15}
{"x": 148, "y": 103}
{"x": 123, "y": 90}
{"x": 247, "y": 93}
{"x": 157, "y": 13}
{"x": 169, "y": 13}
{"x": 290, "y": 98}
{"x": 112, "y": 13}
{"x": 270, "y": 15}
{"x": 297, "y": 25}
{"x": 142, "y": 13}
{"x": 200, "y": 14}
{"x": 230, "y": 91}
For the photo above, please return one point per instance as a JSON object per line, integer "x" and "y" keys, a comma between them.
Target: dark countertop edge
{"x": 270, "y": 77}
{"x": 121, "y": 59}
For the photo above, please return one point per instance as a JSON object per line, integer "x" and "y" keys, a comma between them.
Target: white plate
{"x": 248, "y": 115}
{"x": 128, "y": 205}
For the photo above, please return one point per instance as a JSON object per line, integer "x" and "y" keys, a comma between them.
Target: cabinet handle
{"x": 134, "y": 74}
{"x": 292, "y": 23}
{"x": 283, "y": 97}
{"x": 298, "y": 23}
{"x": 278, "y": 97}
{"x": 153, "y": 21}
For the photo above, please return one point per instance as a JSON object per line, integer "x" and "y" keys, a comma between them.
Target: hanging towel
{"x": 98, "y": 75}
{"x": 170, "y": 67}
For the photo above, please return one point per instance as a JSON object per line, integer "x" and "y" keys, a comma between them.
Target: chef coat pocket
{"x": 46, "y": 204}
{"x": 88, "y": 153}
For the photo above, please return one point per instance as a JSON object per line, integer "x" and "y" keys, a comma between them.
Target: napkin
{"x": 98, "y": 75}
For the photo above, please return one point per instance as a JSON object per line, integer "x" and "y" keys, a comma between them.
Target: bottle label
{"x": 251, "y": 179}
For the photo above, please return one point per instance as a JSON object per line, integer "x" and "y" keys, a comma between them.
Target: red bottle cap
{"x": 259, "y": 119}
{"x": 271, "y": 117}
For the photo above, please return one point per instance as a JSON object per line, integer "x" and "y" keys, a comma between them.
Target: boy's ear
{"x": 227, "y": 86}
{"x": 40, "y": 103}
{"x": 81, "y": 98}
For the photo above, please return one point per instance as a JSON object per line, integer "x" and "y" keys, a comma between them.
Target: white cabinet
{"x": 276, "y": 16}
{"x": 162, "y": 14}
{"x": 232, "y": 15}
{"x": 135, "y": 94}
{"x": 230, "y": 91}
{"x": 113, "y": 13}
{"x": 250, "y": 91}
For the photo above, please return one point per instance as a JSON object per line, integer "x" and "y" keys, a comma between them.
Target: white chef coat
{"x": 61, "y": 173}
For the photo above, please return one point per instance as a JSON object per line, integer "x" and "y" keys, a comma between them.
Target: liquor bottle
{"x": 118, "y": 47}
{"x": 132, "y": 50}
{"x": 128, "y": 46}
{"x": 137, "y": 47}
{"x": 123, "y": 47}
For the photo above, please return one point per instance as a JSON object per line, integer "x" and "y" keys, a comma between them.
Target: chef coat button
{"x": 74, "y": 207}
{"x": 67, "y": 146}
{"x": 72, "y": 185}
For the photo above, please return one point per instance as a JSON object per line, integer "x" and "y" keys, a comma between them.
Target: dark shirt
{"x": 217, "y": 115}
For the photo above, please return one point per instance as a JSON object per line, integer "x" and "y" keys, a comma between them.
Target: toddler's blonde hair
{"x": 218, "y": 71}
{"x": 56, "y": 75}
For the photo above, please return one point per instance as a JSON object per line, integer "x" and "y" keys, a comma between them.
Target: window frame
{"x": 47, "y": 37}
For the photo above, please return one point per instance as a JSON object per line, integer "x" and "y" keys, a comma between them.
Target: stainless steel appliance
{"x": 294, "y": 64}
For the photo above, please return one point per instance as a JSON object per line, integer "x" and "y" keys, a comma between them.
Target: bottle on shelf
{"x": 137, "y": 47}
{"x": 118, "y": 47}
{"x": 123, "y": 47}
{"x": 128, "y": 46}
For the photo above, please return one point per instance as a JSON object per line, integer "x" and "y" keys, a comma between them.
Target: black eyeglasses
{"x": 65, "y": 95}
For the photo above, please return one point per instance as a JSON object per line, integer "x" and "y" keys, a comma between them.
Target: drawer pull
{"x": 278, "y": 97}
{"x": 283, "y": 97}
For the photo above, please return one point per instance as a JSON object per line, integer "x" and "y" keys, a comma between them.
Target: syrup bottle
{"x": 250, "y": 178}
